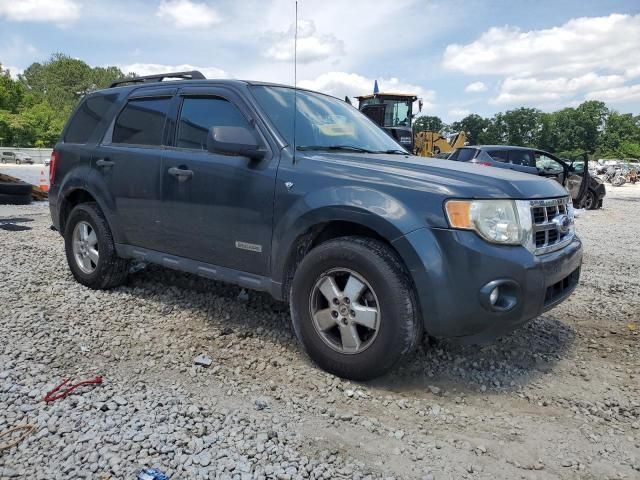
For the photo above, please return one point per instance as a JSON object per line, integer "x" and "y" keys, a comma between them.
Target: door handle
{"x": 104, "y": 163}
{"x": 181, "y": 174}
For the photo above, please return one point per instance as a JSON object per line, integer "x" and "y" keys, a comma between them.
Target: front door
{"x": 552, "y": 167}
{"x": 129, "y": 160}
{"x": 216, "y": 208}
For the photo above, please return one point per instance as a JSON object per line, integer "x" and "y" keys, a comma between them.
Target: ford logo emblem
{"x": 563, "y": 223}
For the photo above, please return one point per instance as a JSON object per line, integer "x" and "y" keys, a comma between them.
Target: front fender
{"x": 378, "y": 211}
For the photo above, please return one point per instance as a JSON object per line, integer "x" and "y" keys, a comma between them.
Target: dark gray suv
{"x": 298, "y": 194}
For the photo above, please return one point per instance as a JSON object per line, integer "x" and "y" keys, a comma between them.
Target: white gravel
{"x": 559, "y": 398}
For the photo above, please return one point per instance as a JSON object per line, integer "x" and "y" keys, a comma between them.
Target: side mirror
{"x": 420, "y": 104}
{"x": 234, "y": 141}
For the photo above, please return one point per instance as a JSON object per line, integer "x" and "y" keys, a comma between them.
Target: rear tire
{"x": 385, "y": 300}
{"x": 103, "y": 269}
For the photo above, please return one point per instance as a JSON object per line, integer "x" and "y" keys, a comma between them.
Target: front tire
{"x": 590, "y": 202}
{"x": 353, "y": 308}
{"x": 90, "y": 249}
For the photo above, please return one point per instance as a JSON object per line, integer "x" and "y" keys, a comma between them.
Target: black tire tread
{"x": 399, "y": 284}
{"x": 15, "y": 188}
{"x": 112, "y": 270}
{"x": 11, "y": 199}
{"x": 596, "y": 202}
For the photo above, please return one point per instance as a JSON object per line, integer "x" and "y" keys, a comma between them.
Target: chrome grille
{"x": 552, "y": 224}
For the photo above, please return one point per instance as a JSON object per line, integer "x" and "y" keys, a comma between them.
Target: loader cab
{"x": 393, "y": 112}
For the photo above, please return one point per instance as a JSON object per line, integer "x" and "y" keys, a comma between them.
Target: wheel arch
{"x": 288, "y": 256}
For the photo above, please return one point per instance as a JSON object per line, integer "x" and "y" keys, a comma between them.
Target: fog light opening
{"x": 500, "y": 295}
{"x": 494, "y": 296}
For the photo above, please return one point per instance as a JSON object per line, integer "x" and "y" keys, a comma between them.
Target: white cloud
{"x": 341, "y": 84}
{"x": 619, "y": 94}
{"x": 476, "y": 87}
{"x": 582, "y": 58}
{"x": 154, "y": 68}
{"x": 312, "y": 46}
{"x": 13, "y": 71}
{"x": 458, "y": 113}
{"x": 534, "y": 90}
{"x": 53, "y": 11}
{"x": 579, "y": 46}
{"x": 188, "y": 14}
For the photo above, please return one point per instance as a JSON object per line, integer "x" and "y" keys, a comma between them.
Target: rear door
{"x": 222, "y": 212}
{"x": 129, "y": 161}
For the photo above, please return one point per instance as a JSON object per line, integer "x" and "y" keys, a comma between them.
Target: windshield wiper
{"x": 393, "y": 151}
{"x": 349, "y": 148}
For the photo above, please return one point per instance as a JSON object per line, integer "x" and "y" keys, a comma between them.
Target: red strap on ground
{"x": 51, "y": 395}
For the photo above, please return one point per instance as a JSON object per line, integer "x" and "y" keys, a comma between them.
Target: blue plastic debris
{"x": 151, "y": 474}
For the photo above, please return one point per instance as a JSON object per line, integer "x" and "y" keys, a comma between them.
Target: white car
{"x": 15, "y": 157}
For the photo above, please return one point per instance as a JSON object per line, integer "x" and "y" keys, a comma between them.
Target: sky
{"x": 460, "y": 57}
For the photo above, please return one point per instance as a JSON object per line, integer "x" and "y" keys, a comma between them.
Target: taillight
{"x": 486, "y": 164}
{"x": 52, "y": 166}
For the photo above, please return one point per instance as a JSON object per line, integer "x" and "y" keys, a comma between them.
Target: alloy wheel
{"x": 345, "y": 311}
{"x": 85, "y": 247}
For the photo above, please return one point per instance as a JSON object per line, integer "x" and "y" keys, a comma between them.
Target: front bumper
{"x": 450, "y": 268}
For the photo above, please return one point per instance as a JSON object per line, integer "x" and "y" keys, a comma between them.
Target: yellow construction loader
{"x": 394, "y": 113}
{"x": 430, "y": 144}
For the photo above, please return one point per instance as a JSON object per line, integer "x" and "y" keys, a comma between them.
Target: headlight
{"x": 497, "y": 221}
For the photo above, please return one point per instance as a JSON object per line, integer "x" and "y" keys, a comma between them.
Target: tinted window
{"x": 466, "y": 154}
{"x": 500, "y": 155}
{"x": 141, "y": 122}
{"x": 198, "y": 115}
{"x": 454, "y": 155}
{"x": 87, "y": 118}
{"x": 521, "y": 157}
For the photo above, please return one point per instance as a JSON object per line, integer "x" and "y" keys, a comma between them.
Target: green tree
{"x": 590, "y": 118}
{"x": 428, "y": 123}
{"x": 11, "y": 92}
{"x": 621, "y": 135}
{"x": 62, "y": 80}
{"x": 473, "y": 125}
{"x": 522, "y": 126}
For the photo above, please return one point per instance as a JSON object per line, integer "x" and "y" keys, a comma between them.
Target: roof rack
{"x": 192, "y": 75}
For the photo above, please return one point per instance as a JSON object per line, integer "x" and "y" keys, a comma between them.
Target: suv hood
{"x": 446, "y": 177}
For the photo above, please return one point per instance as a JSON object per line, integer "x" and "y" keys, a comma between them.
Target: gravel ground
{"x": 560, "y": 398}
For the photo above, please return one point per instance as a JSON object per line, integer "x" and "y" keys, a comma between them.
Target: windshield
{"x": 396, "y": 112}
{"x": 322, "y": 122}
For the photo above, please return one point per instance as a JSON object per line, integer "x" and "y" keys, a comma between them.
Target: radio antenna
{"x": 295, "y": 82}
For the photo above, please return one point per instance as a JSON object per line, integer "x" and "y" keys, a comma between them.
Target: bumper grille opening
{"x": 548, "y": 218}
{"x": 561, "y": 288}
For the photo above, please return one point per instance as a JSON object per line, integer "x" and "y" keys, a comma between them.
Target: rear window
{"x": 87, "y": 118}
{"x": 466, "y": 154}
{"x": 141, "y": 122}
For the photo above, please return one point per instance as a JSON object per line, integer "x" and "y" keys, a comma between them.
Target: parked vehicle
{"x": 15, "y": 157}
{"x": 370, "y": 246}
{"x": 616, "y": 175}
{"x": 532, "y": 161}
